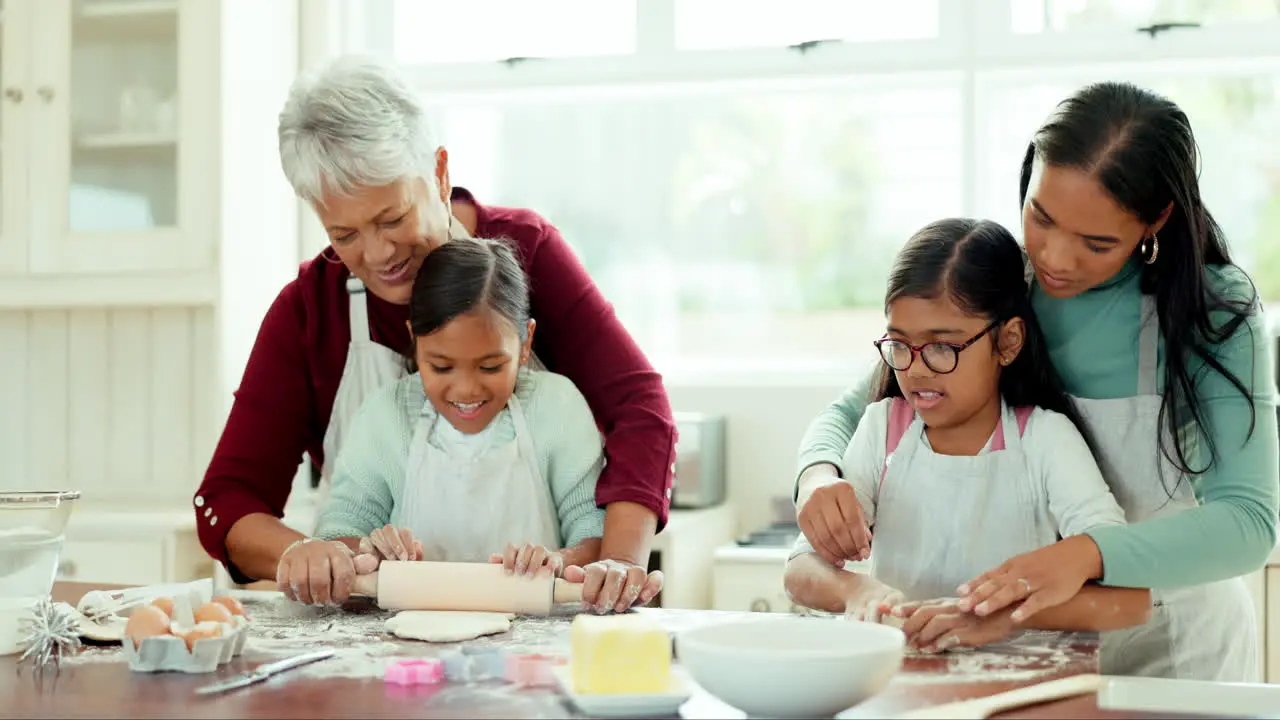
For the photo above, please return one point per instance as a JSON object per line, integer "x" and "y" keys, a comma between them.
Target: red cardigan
{"x": 282, "y": 406}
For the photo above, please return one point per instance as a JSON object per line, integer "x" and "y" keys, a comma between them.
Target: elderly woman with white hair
{"x": 355, "y": 145}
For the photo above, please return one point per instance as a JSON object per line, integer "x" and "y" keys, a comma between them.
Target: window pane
{"x": 1037, "y": 16}
{"x": 1233, "y": 117}
{"x": 732, "y": 229}
{"x": 719, "y": 24}
{"x": 432, "y": 31}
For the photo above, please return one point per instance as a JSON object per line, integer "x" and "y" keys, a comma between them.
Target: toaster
{"x": 700, "y": 461}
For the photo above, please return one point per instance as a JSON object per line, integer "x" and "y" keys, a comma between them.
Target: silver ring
{"x": 1025, "y": 584}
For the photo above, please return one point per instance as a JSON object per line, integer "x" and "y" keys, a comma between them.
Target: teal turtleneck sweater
{"x": 1092, "y": 341}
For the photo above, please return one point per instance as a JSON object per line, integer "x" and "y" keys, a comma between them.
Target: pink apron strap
{"x": 1023, "y": 414}
{"x": 900, "y": 416}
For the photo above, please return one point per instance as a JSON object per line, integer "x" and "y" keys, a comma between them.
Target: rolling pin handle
{"x": 566, "y": 593}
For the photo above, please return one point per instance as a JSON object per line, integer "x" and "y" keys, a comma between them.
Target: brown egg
{"x": 147, "y": 621}
{"x": 165, "y": 604}
{"x": 201, "y": 631}
{"x": 231, "y": 604}
{"x": 213, "y": 612}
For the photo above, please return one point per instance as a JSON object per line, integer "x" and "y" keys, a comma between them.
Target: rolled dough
{"x": 447, "y": 625}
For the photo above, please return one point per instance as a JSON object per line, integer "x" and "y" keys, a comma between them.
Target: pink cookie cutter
{"x": 532, "y": 669}
{"x": 418, "y": 671}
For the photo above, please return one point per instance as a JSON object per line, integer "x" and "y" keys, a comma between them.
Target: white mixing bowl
{"x": 792, "y": 666}
{"x": 31, "y": 536}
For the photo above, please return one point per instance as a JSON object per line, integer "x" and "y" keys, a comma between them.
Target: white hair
{"x": 354, "y": 123}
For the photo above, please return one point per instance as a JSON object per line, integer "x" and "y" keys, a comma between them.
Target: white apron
{"x": 369, "y": 366}
{"x": 466, "y": 503}
{"x": 1204, "y": 632}
{"x": 928, "y": 506}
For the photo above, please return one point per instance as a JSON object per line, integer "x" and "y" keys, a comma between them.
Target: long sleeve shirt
{"x": 370, "y": 473}
{"x": 286, "y": 394}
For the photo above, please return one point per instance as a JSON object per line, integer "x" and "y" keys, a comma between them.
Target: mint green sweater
{"x": 369, "y": 473}
{"x": 1090, "y": 339}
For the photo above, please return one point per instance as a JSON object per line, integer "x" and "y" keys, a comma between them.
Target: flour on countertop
{"x": 362, "y": 646}
{"x": 1023, "y": 657}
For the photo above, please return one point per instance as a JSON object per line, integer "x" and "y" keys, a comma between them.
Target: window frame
{"x": 975, "y": 36}
{"x": 975, "y": 41}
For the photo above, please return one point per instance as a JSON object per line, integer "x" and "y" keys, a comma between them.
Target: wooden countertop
{"x": 97, "y": 682}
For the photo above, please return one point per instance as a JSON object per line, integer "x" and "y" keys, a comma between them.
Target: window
{"x": 1038, "y": 16}
{"x": 718, "y": 24}
{"x": 437, "y": 31}
{"x": 1233, "y": 114}
{"x": 766, "y": 217}
{"x": 740, "y": 204}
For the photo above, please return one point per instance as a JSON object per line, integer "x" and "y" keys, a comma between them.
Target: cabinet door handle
{"x": 45, "y": 92}
{"x": 14, "y": 94}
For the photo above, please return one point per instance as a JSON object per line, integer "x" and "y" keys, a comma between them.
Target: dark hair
{"x": 464, "y": 275}
{"x": 1140, "y": 147}
{"x": 979, "y": 266}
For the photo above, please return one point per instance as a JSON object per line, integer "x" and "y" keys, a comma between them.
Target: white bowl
{"x": 31, "y": 537}
{"x": 792, "y": 666}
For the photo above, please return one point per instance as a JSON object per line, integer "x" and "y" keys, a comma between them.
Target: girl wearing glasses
{"x": 973, "y": 454}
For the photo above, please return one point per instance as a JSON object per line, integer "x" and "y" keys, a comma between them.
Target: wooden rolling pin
{"x": 479, "y": 587}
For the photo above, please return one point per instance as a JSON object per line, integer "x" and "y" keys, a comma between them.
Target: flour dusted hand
{"x": 615, "y": 586}
{"x": 937, "y": 625}
{"x": 1035, "y": 580}
{"x": 529, "y": 559}
{"x": 872, "y": 602}
{"x": 316, "y": 572}
{"x": 391, "y": 543}
{"x": 832, "y": 520}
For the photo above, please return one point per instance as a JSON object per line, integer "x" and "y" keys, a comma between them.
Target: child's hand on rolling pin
{"x": 391, "y": 543}
{"x": 528, "y": 559}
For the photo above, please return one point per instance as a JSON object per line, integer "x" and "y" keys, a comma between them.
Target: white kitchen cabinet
{"x": 110, "y": 130}
{"x": 749, "y": 579}
{"x": 133, "y": 548}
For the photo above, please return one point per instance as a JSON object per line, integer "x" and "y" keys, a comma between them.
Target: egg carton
{"x": 169, "y": 653}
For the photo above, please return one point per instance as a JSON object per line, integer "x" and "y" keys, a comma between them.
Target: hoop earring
{"x": 325, "y": 254}
{"x": 1151, "y": 249}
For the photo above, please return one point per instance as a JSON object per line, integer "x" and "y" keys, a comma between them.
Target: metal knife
{"x": 262, "y": 672}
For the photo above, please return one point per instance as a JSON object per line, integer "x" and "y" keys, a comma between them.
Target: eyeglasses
{"x": 940, "y": 357}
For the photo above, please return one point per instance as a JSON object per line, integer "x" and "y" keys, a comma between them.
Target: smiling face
{"x": 1077, "y": 235}
{"x": 469, "y": 367}
{"x": 967, "y": 398}
{"x": 382, "y": 233}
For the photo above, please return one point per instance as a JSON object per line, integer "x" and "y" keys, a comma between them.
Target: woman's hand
{"x": 831, "y": 518}
{"x": 1040, "y": 579}
{"x": 528, "y": 559}
{"x": 611, "y": 585}
{"x": 316, "y": 572}
{"x": 937, "y": 625}
{"x": 391, "y": 543}
{"x": 872, "y": 601}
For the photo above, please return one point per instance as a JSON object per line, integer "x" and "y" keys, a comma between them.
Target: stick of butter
{"x": 620, "y": 655}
